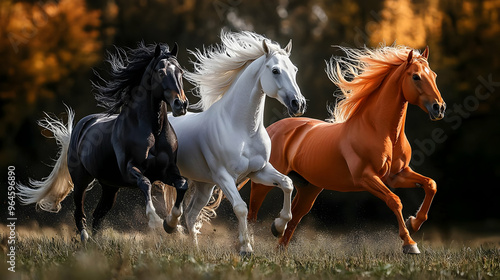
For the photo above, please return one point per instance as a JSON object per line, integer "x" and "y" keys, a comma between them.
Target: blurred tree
{"x": 45, "y": 47}
{"x": 399, "y": 20}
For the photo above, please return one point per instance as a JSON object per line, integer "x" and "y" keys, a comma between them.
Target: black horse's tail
{"x": 50, "y": 191}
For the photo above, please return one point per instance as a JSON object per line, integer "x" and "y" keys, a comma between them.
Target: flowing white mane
{"x": 218, "y": 66}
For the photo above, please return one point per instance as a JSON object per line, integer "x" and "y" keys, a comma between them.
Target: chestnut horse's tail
{"x": 51, "y": 190}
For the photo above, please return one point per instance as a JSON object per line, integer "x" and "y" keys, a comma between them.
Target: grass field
{"x": 57, "y": 254}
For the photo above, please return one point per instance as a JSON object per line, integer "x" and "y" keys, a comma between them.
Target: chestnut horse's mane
{"x": 360, "y": 73}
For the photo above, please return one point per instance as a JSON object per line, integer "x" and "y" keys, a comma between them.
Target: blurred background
{"x": 49, "y": 48}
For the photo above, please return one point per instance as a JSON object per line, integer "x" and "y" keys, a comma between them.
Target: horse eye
{"x": 276, "y": 71}
{"x": 416, "y": 77}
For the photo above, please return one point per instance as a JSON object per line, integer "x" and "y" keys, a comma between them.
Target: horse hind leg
{"x": 154, "y": 220}
{"x": 258, "y": 193}
{"x": 201, "y": 194}
{"x": 271, "y": 177}
{"x": 172, "y": 219}
{"x": 159, "y": 191}
{"x": 81, "y": 182}
{"x": 108, "y": 198}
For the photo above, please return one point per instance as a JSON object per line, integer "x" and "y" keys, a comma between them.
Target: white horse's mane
{"x": 218, "y": 66}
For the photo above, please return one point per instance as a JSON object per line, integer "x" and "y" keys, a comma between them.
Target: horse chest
{"x": 252, "y": 156}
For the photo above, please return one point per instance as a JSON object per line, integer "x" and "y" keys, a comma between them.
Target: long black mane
{"x": 127, "y": 68}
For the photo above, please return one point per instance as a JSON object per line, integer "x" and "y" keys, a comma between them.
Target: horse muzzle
{"x": 436, "y": 110}
{"x": 179, "y": 107}
{"x": 296, "y": 107}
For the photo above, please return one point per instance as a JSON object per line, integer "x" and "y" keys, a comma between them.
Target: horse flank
{"x": 360, "y": 73}
{"x": 218, "y": 66}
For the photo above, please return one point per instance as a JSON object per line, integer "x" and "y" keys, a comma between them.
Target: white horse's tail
{"x": 50, "y": 191}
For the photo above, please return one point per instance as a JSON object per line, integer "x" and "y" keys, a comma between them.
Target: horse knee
{"x": 430, "y": 187}
{"x": 394, "y": 203}
{"x": 241, "y": 210}
{"x": 287, "y": 185}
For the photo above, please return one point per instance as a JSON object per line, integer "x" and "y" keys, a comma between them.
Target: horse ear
{"x": 265, "y": 46}
{"x": 157, "y": 50}
{"x": 288, "y": 48}
{"x": 174, "y": 50}
{"x": 410, "y": 56}
{"x": 425, "y": 54}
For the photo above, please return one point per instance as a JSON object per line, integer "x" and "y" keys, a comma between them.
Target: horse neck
{"x": 147, "y": 110}
{"x": 244, "y": 100}
{"x": 386, "y": 108}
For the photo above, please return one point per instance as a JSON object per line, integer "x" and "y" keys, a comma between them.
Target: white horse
{"x": 227, "y": 142}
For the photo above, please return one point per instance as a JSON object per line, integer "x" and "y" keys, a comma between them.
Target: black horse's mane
{"x": 127, "y": 68}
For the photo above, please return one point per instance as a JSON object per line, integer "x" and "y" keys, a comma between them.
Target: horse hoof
{"x": 281, "y": 248}
{"x": 84, "y": 236}
{"x": 275, "y": 231}
{"x": 411, "y": 249}
{"x": 168, "y": 229}
{"x": 409, "y": 226}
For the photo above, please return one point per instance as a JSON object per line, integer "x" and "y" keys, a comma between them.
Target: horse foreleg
{"x": 374, "y": 185}
{"x": 230, "y": 190}
{"x": 410, "y": 179}
{"x": 301, "y": 205}
{"x": 271, "y": 177}
{"x": 145, "y": 186}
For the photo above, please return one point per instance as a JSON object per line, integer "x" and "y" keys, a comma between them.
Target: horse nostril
{"x": 443, "y": 107}
{"x": 295, "y": 104}
{"x": 177, "y": 103}
{"x": 303, "y": 105}
{"x": 436, "y": 107}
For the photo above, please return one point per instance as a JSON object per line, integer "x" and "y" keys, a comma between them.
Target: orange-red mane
{"x": 360, "y": 73}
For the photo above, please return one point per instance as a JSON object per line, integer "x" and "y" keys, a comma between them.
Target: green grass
{"x": 50, "y": 254}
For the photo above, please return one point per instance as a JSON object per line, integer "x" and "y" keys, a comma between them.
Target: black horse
{"x": 131, "y": 145}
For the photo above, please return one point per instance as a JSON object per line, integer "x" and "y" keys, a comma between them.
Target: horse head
{"x": 419, "y": 86}
{"x": 168, "y": 73}
{"x": 278, "y": 79}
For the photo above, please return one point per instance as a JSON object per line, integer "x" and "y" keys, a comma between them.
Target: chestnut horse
{"x": 364, "y": 147}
